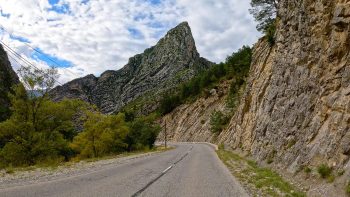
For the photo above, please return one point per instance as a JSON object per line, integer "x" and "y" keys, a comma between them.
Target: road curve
{"x": 188, "y": 170}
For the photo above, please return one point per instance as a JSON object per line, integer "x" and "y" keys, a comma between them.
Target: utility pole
{"x": 165, "y": 134}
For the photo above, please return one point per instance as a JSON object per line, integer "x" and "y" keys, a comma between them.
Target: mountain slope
{"x": 172, "y": 60}
{"x": 8, "y": 78}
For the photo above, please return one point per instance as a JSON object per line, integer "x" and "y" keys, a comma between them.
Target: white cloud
{"x": 102, "y": 34}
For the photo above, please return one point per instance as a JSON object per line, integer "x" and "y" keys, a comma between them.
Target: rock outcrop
{"x": 191, "y": 121}
{"x": 174, "y": 59}
{"x": 8, "y": 78}
{"x": 297, "y": 102}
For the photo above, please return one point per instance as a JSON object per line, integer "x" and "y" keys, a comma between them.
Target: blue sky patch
{"x": 155, "y": 2}
{"x": 46, "y": 58}
{"x": 53, "y": 2}
{"x": 19, "y": 38}
{"x": 59, "y": 8}
{"x": 135, "y": 33}
{"x": 85, "y": 1}
{"x": 4, "y": 14}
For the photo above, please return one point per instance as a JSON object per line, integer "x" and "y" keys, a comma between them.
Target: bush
{"x": 143, "y": 134}
{"x": 169, "y": 103}
{"x": 324, "y": 170}
{"x": 102, "y": 135}
{"x": 218, "y": 121}
{"x": 270, "y": 33}
{"x": 307, "y": 170}
{"x": 347, "y": 189}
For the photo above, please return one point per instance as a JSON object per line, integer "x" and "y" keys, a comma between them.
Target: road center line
{"x": 161, "y": 174}
{"x": 166, "y": 170}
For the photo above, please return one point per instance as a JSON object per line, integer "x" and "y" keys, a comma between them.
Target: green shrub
{"x": 270, "y": 33}
{"x": 143, "y": 133}
{"x": 271, "y": 156}
{"x": 307, "y": 170}
{"x": 324, "y": 170}
{"x": 202, "y": 121}
{"x": 221, "y": 147}
{"x": 347, "y": 189}
{"x": 169, "y": 103}
{"x": 218, "y": 121}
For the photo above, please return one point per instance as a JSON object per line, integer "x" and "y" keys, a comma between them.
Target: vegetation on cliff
{"x": 265, "y": 13}
{"x": 235, "y": 68}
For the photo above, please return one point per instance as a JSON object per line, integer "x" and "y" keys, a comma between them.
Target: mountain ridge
{"x": 156, "y": 69}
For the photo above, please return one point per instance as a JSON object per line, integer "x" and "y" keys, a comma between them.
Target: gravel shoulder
{"x": 37, "y": 175}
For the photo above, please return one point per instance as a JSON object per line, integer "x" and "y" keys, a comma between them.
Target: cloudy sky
{"x": 91, "y": 36}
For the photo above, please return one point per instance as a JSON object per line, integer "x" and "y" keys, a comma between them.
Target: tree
{"x": 264, "y": 12}
{"x": 143, "y": 133}
{"x": 38, "y": 130}
{"x": 102, "y": 135}
{"x": 168, "y": 103}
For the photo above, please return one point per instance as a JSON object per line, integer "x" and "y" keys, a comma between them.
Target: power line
{"x": 36, "y": 50}
{"x": 17, "y": 55}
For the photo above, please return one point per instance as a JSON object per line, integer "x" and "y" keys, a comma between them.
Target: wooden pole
{"x": 165, "y": 135}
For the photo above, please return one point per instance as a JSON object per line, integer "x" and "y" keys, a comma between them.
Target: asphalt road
{"x": 188, "y": 170}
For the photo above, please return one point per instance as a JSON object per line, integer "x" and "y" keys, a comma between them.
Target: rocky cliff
{"x": 8, "y": 78}
{"x": 191, "y": 121}
{"x": 297, "y": 101}
{"x": 172, "y": 60}
{"x": 295, "y": 111}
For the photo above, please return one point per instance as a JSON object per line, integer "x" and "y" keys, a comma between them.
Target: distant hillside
{"x": 8, "y": 78}
{"x": 174, "y": 59}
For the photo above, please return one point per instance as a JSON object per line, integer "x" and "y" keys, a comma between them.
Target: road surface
{"x": 188, "y": 170}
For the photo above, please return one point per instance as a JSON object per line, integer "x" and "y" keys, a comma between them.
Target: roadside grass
{"x": 54, "y": 164}
{"x": 261, "y": 181}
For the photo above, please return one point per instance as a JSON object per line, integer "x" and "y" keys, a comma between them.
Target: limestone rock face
{"x": 8, "y": 78}
{"x": 172, "y": 60}
{"x": 191, "y": 122}
{"x": 297, "y": 101}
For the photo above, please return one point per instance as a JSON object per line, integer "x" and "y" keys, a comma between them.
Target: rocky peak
{"x": 8, "y": 78}
{"x": 174, "y": 59}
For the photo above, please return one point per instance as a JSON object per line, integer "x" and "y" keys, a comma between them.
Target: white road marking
{"x": 166, "y": 170}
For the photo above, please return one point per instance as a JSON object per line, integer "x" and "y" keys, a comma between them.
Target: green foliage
{"x": 271, "y": 156}
{"x": 4, "y": 113}
{"x": 218, "y": 121}
{"x": 143, "y": 133}
{"x": 307, "y": 170}
{"x": 102, "y": 135}
{"x": 236, "y": 66}
{"x": 264, "y": 12}
{"x": 347, "y": 189}
{"x": 41, "y": 132}
{"x": 37, "y": 131}
{"x": 270, "y": 33}
{"x": 324, "y": 170}
{"x": 169, "y": 103}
